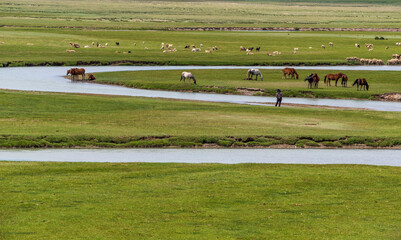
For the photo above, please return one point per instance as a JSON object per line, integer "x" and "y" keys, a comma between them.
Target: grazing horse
{"x": 76, "y": 72}
{"x": 334, "y": 77}
{"x": 313, "y": 80}
{"x": 290, "y": 72}
{"x": 254, "y": 71}
{"x": 91, "y": 77}
{"x": 187, "y": 75}
{"x": 344, "y": 80}
{"x": 361, "y": 82}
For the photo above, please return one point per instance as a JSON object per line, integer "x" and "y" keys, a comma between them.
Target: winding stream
{"x": 225, "y": 156}
{"x": 51, "y": 79}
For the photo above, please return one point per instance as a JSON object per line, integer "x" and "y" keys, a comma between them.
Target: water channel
{"x": 224, "y": 156}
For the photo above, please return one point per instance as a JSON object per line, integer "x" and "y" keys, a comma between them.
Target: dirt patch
{"x": 249, "y": 91}
{"x": 394, "y": 97}
{"x": 311, "y": 106}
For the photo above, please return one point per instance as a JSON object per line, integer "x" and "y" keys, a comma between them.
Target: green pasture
{"x": 30, "y": 46}
{"x": 70, "y": 117}
{"x": 228, "y": 81}
{"x": 127, "y": 14}
{"x": 198, "y": 201}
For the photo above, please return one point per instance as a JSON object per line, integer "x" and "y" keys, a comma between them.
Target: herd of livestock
{"x": 313, "y": 79}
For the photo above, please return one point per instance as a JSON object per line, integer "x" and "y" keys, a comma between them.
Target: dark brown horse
{"x": 77, "y": 72}
{"x": 334, "y": 77}
{"x": 344, "y": 80}
{"x": 91, "y": 77}
{"x": 313, "y": 80}
{"x": 361, "y": 82}
{"x": 290, "y": 72}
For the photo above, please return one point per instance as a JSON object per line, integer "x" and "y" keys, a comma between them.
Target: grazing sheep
{"x": 294, "y": 52}
{"x": 208, "y": 51}
{"x": 352, "y": 59}
{"x": 310, "y": 47}
{"x": 324, "y": 47}
{"x": 93, "y": 43}
{"x": 370, "y": 49}
{"x": 86, "y": 46}
{"x": 357, "y": 45}
{"x": 249, "y": 53}
{"x": 215, "y": 48}
{"x": 330, "y": 44}
{"x": 107, "y": 44}
{"x": 295, "y": 49}
{"x": 70, "y": 51}
{"x": 242, "y": 49}
{"x": 117, "y": 52}
{"x": 387, "y": 47}
{"x": 196, "y": 49}
{"x": 201, "y": 45}
{"x": 135, "y": 44}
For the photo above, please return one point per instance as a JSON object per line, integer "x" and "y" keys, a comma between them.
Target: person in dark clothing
{"x": 279, "y": 96}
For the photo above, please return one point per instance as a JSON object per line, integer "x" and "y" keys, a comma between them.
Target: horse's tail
{"x": 356, "y": 81}
{"x": 325, "y": 77}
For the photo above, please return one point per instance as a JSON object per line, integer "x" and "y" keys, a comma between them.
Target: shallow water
{"x": 51, "y": 79}
{"x": 225, "y": 156}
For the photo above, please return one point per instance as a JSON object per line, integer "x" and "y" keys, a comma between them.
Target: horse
{"x": 185, "y": 75}
{"x": 76, "y": 71}
{"x": 254, "y": 71}
{"x": 313, "y": 80}
{"x": 334, "y": 77}
{"x": 289, "y": 71}
{"x": 344, "y": 80}
{"x": 91, "y": 77}
{"x": 361, "y": 82}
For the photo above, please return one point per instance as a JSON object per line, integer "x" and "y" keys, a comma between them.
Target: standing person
{"x": 279, "y": 96}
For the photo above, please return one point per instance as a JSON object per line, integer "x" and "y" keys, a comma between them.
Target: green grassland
{"x": 65, "y": 120}
{"x": 29, "y": 46}
{"x": 198, "y": 201}
{"x": 228, "y": 81}
{"x": 127, "y": 14}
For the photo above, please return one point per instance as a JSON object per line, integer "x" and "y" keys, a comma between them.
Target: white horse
{"x": 187, "y": 75}
{"x": 254, "y": 71}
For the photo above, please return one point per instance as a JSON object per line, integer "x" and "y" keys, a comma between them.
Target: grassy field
{"x": 228, "y": 81}
{"x": 127, "y": 14}
{"x": 64, "y": 120}
{"x": 198, "y": 201}
{"x": 27, "y": 46}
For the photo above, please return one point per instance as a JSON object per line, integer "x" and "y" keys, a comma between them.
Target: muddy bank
{"x": 293, "y": 29}
{"x": 14, "y": 141}
{"x": 392, "y": 97}
{"x": 161, "y": 63}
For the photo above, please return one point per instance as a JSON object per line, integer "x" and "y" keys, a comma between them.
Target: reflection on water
{"x": 225, "y": 156}
{"x": 51, "y": 79}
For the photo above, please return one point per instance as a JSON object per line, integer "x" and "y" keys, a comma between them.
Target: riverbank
{"x": 274, "y": 142}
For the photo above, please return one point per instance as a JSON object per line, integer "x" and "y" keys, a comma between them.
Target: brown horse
{"x": 91, "y": 77}
{"x": 290, "y": 72}
{"x": 76, "y": 72}
{"x": 361, "y": 82}
{"x": 313, "y": 80}
{"x": 344, "y": 80}
{"x": 334, "y": 77}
